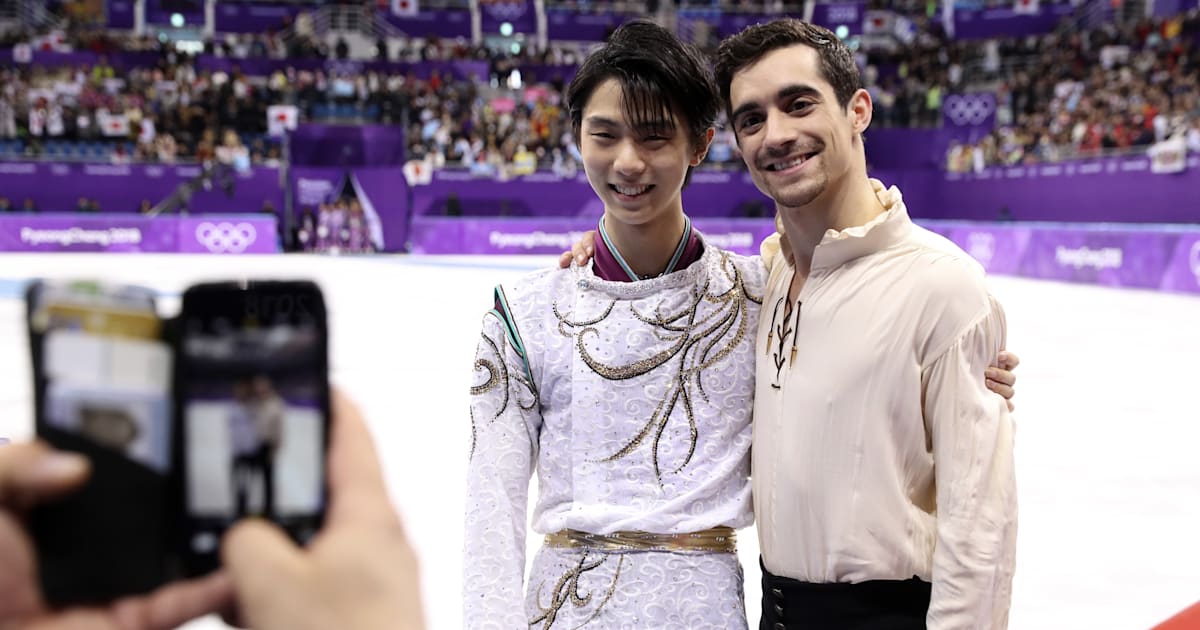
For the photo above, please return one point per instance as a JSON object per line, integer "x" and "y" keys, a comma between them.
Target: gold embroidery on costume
{"x": 697, "y": 345}
{"x": 567, "y": 589}
{"x": 498, "y": 374}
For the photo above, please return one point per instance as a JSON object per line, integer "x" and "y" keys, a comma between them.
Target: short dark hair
{"x": 657, "y": 71}
{"x": 754, "y": 42}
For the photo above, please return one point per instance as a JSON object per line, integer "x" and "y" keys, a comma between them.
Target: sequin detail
{"x": 567, "y": 589}
{"x": 498, "y": 374}
{"x": 700, "y": 336}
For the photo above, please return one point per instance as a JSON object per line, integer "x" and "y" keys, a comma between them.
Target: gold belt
{"x": 717, "y": 539}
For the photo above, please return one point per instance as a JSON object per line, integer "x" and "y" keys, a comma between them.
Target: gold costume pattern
{"x": 700, "y": 340}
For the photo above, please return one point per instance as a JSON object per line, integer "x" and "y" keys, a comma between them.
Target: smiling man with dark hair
{"x": 885, "y": 494}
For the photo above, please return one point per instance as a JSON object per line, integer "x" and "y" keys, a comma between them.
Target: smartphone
{"x": 102, "y": 383}
{"x": 252, "y": 396}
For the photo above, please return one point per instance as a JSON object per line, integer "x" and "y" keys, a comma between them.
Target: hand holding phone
{"x": 253, "y": 403}
{"x": 189, "y": 426}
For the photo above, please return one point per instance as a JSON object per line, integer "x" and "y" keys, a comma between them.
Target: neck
{"x": 647, "y": 248}
{"x": 852, "y": 205}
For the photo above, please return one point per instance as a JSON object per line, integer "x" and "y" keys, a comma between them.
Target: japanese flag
{"x": 1025, "y": 7}
{"x": 281, "y": 118}
{"x": 54, "y": 41}
{"x": 405, "y": 8}
{"x": 879, "y": 22}
{"x": 113, "y": 125}
{"x": 22, "y": 53}
{"x": 418, "y": 172}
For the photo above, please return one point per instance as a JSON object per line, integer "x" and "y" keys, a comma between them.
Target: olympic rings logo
{"x": 506, "y": 10}
{"x": 969, "y": 109}
{"x": 226, "y": 238}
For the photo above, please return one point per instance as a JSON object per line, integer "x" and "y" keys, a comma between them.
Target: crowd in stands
{"x": 1059, "y": 96}
{"x": 338, "y": 227}
{"x": 1115, "y": 89}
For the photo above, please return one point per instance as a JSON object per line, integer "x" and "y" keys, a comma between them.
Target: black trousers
{"x": 247, "y": 470}
{"x": 789, "y": 604}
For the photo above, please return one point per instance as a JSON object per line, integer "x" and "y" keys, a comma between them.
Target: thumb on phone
{"x": 267, "y": 570}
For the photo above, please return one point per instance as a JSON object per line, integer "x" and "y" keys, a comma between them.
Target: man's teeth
{"x": 631, "y": 190}
{"x": 782, "y": 166}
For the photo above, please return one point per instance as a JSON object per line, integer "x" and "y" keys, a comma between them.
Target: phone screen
{"x": 254, "y": 407}
{"x": 102, "y": 378}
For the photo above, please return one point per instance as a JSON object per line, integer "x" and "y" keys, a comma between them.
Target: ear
{"x": 701, "y": 150}
{"x": 860, "y": 110}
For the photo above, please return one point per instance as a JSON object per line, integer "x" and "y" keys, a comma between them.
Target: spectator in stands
{"x": 8, "y": 115}
{"x": 29, "y": 206}
{"x": 165, "y": 148}
{"x": 145, "y": 207}
{"x": 82, "y": 205}
{"x": 6, "y": 206}
{"x": 306, "y": 230}
{"x": 1193, "y": 136}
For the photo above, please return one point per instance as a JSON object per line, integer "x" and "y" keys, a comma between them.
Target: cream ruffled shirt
{"x": 879, "y": 454}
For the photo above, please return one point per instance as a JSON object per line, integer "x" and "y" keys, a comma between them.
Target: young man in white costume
{"x": 628, "y": 384}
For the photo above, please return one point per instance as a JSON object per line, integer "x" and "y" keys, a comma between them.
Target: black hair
{"x": 754, "y": 42}
{"x": 658, "y": 73}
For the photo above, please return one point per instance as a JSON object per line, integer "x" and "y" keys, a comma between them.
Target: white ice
{"x": 1107, "y": 407}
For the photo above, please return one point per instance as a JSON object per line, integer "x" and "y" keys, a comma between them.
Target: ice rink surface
{"x": 1108, "y": 413}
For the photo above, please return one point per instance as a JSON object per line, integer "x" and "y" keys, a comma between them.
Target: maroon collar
{"x": 606, "y": 267}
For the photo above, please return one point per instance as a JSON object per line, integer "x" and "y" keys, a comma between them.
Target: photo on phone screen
{"x": 254, "y": 408}
{"x": 102, "y": 383}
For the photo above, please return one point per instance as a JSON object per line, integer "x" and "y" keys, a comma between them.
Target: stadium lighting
{"x": 843, "y": 31}
{"x": 177, "y": 20}
{"x": 506, "y": 29}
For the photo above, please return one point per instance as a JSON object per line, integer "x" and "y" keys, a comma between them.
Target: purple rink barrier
{"x": 432, "y": 235}
{"x": 1164, "y": 258}
{"x": 120, "y": 188}
{"x": 113, "y": 233}
{"x": 1121, "y": 190}
{"x": 543, "y": 194}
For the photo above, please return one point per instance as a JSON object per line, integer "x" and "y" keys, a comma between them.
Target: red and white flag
{"x": 418, "y": 172}
{"x": 1026, "y": 7}
{"x": 113, "y": 125}
{"x": 281, "y": 118}
{"x": 405, "y": 8}
{"x": 879, "y": 22}
{"x": 22, "y": 53}
{"x": 54, "y": 41}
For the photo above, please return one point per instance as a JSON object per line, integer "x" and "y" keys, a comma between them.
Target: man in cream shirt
{"x": 883, "y": 476}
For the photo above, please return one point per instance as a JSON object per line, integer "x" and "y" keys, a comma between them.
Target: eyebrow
{"x": 658, "y": 125}
{"x": 601, "y": 120}
{"x": 784, "y": 93}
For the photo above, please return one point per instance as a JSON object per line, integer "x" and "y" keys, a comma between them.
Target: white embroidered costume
{"x": 633, "y": 401}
